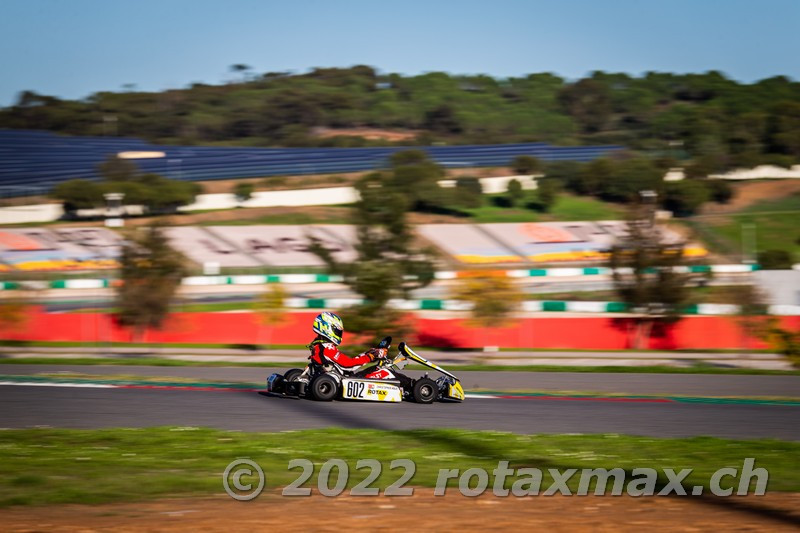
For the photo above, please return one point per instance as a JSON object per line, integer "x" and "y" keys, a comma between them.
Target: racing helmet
{"x": 330, "y": 326}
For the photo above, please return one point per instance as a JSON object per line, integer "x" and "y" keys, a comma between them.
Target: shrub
{"x": 775, "y": 259}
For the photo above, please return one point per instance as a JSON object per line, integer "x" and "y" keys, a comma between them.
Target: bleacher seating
{"x": 63, "y": 249}
{"x": 201, "y": 246}
{"x": 31, "y": 162}
{"x": 288, "y": 246}
{"x": 467, "y": 244}
{"x": 541, "y": 242}
{"x": 283, "y": 245}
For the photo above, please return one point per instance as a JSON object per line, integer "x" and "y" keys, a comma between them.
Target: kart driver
{"x": 329, "y": 329}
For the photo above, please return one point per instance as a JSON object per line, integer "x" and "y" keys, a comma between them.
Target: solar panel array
{"x": 34, "y": 161}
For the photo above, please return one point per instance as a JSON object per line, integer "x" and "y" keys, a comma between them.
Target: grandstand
{"x": 280, "y": 246}
{"x": 259, "y": 246}
{"x": 502, "y": 243}
{"x": 32, "y": 162}
{"x": 38, "y": 249}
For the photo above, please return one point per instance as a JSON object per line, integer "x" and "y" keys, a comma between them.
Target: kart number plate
{"x": 367, "y": 390}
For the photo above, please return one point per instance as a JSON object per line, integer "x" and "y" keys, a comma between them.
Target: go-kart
{"x": 381, "y": 382}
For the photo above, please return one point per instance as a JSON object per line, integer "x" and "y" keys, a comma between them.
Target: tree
{"x": 468, "y": 192}
{"x": 720, "y": 190}
{"x": 785, "y": 128}
{"x": 567, "y": 173}
{"x": 645, "y": 274}
{"x": 546, "y": 194}
{"x": 494, "y": 298}
{"x": 587, "y": 101}
{"x": 241, "y": 68}
{"x": 775, "y": 259}
{"x": 157, "y": 193}
{"x": 269, "y": 306}
{"x": 685, "y": 197}
{"x": 630, "y": 177}
{"x": 78, "y": 194}
{"x": 785, "y": 341}
{"x": 526, "y": 165}
{"x": 592, "y": 177}
{"x": 514, "y": 193}
{"x": 150, "y": 274}
{"x": 14, "y": 313}
{"x": 416, "y": 177}
{"x": 752, "y": 313}
{"x": 243, "y": 191}
{"x": 117, "y": 169}
{"x": 388, "y": 264}
{"x": 442, "y": 119}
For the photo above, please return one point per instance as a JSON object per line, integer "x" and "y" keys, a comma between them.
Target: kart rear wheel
{"x": 425, "y": 390}
{"x": 292, "y": 374}
{"x": 324, "y": 388}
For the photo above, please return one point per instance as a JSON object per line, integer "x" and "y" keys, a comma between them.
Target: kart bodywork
{"x": 382, "y": 382}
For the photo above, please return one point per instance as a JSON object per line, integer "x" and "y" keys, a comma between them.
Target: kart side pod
{"x": 372, "y": 390}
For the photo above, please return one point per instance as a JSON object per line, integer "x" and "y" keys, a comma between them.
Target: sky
{"x": 73, "y": 48}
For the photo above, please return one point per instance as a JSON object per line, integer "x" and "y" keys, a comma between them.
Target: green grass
{"x": 777, "y": 225}
{"x": 51, "y": 466}
{"x": 330, "y": 215}
{"x": 567, "y": 208}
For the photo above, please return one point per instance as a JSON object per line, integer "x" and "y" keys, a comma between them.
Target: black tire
{"x": 292, "y": 374}
{"x": 425, "y": 390}
{"x": 324, "y": 388}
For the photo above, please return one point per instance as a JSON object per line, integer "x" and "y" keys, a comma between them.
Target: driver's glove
{"x": 377, "y": 353}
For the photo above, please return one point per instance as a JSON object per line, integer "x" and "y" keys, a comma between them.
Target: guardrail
{"x": 529, "y": 306}
{"x": 261, "y": 279}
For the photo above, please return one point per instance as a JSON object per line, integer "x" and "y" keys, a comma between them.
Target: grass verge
{"x": 566, "y": 208}
{"x": 775, "y": 225}
{"x": 50, "y": 466}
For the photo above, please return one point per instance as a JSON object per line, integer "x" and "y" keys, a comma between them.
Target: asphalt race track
{"x": 603, "y": 382}
{"x": 33, "y": 406}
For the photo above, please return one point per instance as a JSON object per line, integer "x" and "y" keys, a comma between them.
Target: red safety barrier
{"x": 601, "y": 333}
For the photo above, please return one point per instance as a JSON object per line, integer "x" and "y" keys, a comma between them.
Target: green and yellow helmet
{"x": 329, "y": 326}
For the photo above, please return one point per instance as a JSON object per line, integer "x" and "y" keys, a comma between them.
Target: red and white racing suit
{"x": 320, "y": 351}
{"x": 327, "y": 350}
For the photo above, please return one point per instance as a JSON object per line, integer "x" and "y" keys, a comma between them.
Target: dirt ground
{"x": 367, "y": 133}
{"x": 751, "y": 192}
{"x": 422, "y": 512}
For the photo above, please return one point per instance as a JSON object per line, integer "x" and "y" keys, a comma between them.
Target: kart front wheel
{"x": 324, "y": 388}
{"x": 425, "y": 390}
{"x": 292, "y": 374}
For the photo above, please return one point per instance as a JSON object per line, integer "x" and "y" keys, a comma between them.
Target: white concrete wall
{"x": 301, "y": 197}
{"x": 326, "y": 196}
{"x": 30, "y": 213}
{"x": 674, "y": 174}
{"x": 499, "y": 184}
{"x": 760, "y": 172}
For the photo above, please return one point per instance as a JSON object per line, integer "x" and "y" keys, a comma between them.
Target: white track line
{"x": 54, "y": 384}
{"x": 111, "y": 386}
